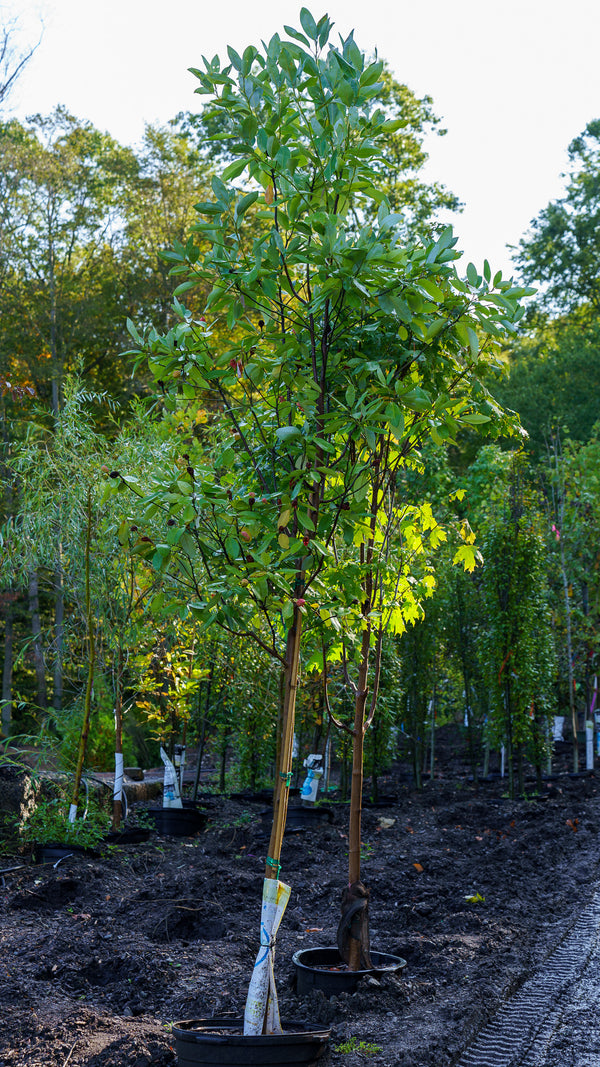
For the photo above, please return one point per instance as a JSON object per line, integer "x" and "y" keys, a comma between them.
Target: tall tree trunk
{"x": 87, "y": 705}
{"x": 7, "y": 666}
{"x": 37, "y": 644}
{"x": 118, "y": 786}
{"x": 570, "y": 673}
{"x": 358, "y": 930}
{"x": 59, "y": 634}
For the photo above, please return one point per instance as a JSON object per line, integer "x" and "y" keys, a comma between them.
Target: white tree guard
{"x": 171, "y": 793}
{"x": 262, "y": 1010}
{"x": 118, "y": 787}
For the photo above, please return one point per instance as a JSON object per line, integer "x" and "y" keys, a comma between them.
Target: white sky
{"x": 513, "y": 82}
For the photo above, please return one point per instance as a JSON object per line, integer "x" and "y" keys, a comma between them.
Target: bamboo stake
{"x": 284, "y": 764}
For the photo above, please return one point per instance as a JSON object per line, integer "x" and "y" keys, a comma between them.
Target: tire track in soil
{"x": 553, "y": 1018}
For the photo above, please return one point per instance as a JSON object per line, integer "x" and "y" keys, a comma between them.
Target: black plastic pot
{"x": 387, "y": 800}
{"x": 313, "y": 970}
{"x": 130, "y": 835}
{"x": 53, "y": 851}
{"x": 177, "y": 822}
{"x": 299, "y": 818}
{"x": 210, "y": 1042}
{"x": 264, "y": 796}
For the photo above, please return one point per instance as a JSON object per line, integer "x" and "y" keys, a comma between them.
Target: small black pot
{"x": 387, "y": 800}
{"x": 130, "y": 835}
{"x": 312, "y": 970}
{"x": 53, "y": 851}
{"x": 299, "y": 818}
{"x": 177, "y": 822}
{"x": 207, "y": 1042}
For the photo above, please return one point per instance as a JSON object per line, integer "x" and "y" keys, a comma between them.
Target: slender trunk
{"x": 7, "y": 667}
{"x": 202, "y": 738}
{"x": 87, "y": 704}
{"x": 462, "y": 628}
{"x": 520, "y": 770}
{"x": 38, "y": 650}
{"x": 433, "y": 712}
{"x": 118, "y": 787}
{"x": 59, "y": 630}
{"x": 570, "y": 673}
{"x": 223, "y": 760}
{"x": 509, "y": 746}
{"x": 285, "y": 745}
{"x": 358, "y": 940}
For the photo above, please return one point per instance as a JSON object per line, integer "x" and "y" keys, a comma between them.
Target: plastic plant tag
{"x": 171, "y": 794}
{"x": 310, "y": 785}
{"x": 262, "y": 1011}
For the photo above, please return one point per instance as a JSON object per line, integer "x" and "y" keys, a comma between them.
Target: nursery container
{"x": 53, "y": 851}
{"x": 209, "y": 1042}
{"x": 177, "y": 822}
{"x": 299, "y": 818}
{"x": 129, "y": 835}
{"x": 324, "y": 969}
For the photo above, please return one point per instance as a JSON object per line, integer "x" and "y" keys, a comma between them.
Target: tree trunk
{"x": 59, "y": 632}
{"x": 87, "y": 704}
{"x": 358, "y": 930}
{"x": 570, "y": 674}
{"x": 37, "y": 645}
{"x": 118, "y": 787}
{"x": 7, "y": 666}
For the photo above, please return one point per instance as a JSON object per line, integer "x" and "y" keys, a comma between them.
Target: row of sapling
{"x": 62, "y": 527}
{"x": 330, "y": 351}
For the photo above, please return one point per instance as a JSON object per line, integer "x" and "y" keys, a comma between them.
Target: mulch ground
{"x": 100, "y": 955}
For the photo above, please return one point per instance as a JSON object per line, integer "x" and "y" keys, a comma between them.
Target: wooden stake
{"x": 286, "y": 744}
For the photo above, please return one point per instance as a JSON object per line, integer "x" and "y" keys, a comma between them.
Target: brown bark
{"x": 37, "y": 645}
{"x": 7, "y": 669}
{"x": 87, "y": 706}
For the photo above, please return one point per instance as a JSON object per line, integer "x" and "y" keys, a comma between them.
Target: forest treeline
{"x": 101, "y": 458}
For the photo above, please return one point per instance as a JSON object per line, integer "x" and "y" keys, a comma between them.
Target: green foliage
{"x": 367, "y": 1048}
{"x": 49, "y": 822}
{"x": 563, "y": 249}
{"x": 554, "y": 380}
{"x": 346, "y": 350}
{"x": 518, "y": 638}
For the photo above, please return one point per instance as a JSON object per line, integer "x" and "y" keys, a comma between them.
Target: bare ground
{"x": 101, "y": 954}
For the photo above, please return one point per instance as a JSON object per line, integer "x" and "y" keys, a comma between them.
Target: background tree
{"x": 518, "y": 635}
{"x": 562, "y": 250}
{"x": 61, "y": 192}
{"x": 14, "y": 55}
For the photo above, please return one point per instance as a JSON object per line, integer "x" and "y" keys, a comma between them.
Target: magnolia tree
{"x": 328, "y": 353}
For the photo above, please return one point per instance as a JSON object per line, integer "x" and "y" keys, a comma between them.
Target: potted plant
{"x": 170, "y": 680}
{"x": 50, "y": 831}
{"x": 331, "y": 348}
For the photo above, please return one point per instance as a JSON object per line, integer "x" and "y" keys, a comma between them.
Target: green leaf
{"x": 308, "y": 24}
{"x": 472, "y": 275}
{"x": 286, "y": 433}
{"x": 291, "y": 32}
{"x": 246, "y": 202}
{"x": 477, "y": 418}
{"x": 235, "y": 58}
{"x": 233, "y": 171}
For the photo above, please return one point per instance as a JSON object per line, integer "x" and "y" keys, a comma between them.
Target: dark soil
{"x": 101, "y": 954}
